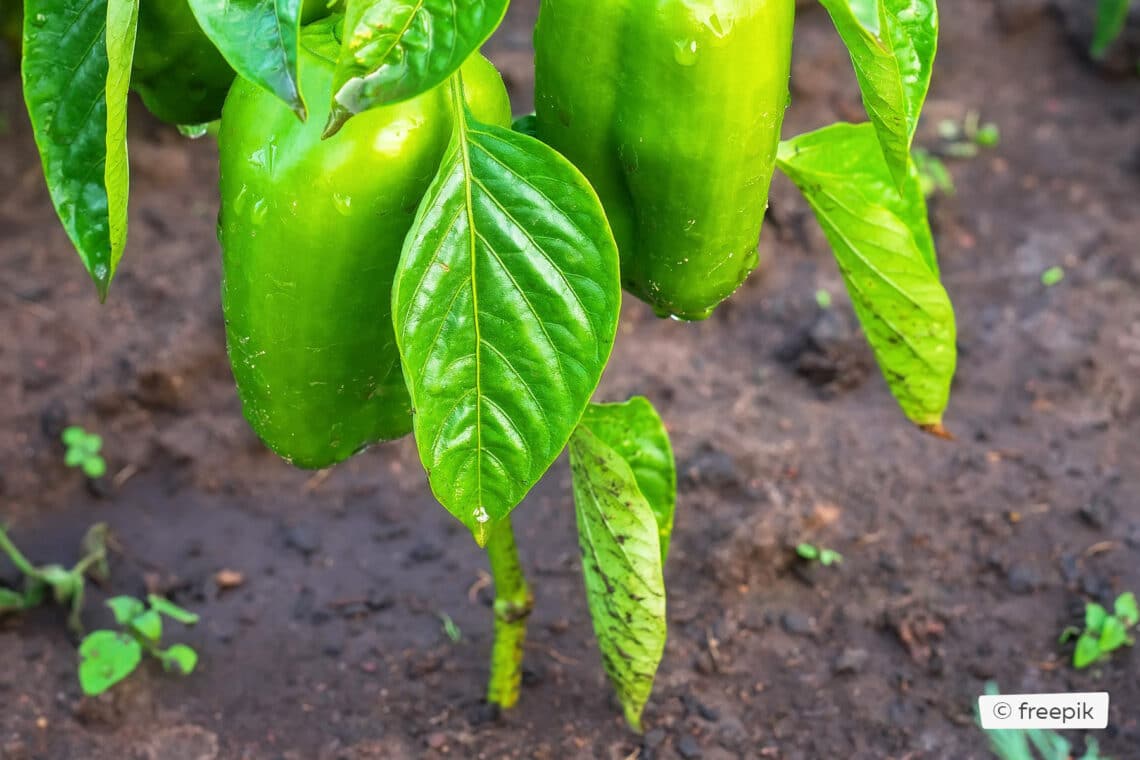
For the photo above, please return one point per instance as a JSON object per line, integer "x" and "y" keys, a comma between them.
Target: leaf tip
{"x": 633, "y": 718}
{"x": 337, "y": 118}
{"x": 937, "y": 430}
{"x": 102, "y": 287}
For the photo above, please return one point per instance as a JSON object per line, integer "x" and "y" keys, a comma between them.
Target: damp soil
{"x": 322, "y": 595}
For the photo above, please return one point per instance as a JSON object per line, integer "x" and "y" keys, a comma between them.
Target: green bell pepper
{"x": 672, "y": 109}
{"x": 180, "y": 75}
{"x": 311, "y": 232}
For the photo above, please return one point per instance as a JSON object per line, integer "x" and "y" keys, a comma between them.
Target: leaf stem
{"x": 17, "y": 557}
{"x": 513, "y": 603}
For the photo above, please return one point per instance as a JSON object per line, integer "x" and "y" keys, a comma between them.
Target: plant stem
{"x": 513, "y": 603}
{"x": 18, "y": 559}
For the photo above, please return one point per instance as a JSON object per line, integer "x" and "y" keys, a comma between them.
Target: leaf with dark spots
{"x": 635, "y": 432}
{"x": 625, "y": 588}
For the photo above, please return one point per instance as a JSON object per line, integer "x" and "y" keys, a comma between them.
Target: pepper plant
{"x": 397, "y": 258}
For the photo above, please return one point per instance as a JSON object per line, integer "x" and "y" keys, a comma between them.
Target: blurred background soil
{"x": 964, "y": 560}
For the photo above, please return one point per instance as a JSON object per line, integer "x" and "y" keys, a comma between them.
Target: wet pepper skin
{"x": 672, "y": 109}
{"x": 311, "y": 234}
{"x": 177, "y": 71}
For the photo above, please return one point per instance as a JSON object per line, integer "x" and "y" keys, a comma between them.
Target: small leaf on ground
{"x": 180, "y": 658}
{"x": 107, "y": 657}
{"x": 171, "y": 610}
{"x": 125, "y": 608}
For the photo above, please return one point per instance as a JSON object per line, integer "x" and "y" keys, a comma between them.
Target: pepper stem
{"x": 513, "y": 603}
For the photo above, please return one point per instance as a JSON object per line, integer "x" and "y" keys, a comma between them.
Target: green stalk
{"x": 513, "y": 603}
{"x": 18, "y": 559}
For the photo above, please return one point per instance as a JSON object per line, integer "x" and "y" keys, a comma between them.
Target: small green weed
{"x": 450, "y": 628}
{"x": 1052, "y": 276}
{"x": 1019, "y": 744}
{"x": 83, "y": 451}
{"x": 106, "y": 656}
{"x": 813, "y": 553}
{"x": 109, "y": 656}
{"x": 1103, "y": 633}
{"x": 933, "y": 176}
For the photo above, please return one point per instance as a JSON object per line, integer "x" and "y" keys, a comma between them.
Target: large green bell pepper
{"x": 311, "y": 233}
{"x": 672, "y": 109}
{"x": 180, "y": 75}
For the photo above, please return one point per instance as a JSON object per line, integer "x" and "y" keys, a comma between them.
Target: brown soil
{"x": 963, "y": 562}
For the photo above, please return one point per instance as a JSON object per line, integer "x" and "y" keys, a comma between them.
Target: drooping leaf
{"x": 1110, "y": 18}
{"x": 880, "y": 240}
{"x": 125, "y": 608}
{"x": 621, "y": 563}
{"x": 892, "y": 45}
{"x": 76, "y": 71}
{"x": 259, "y": 39}
{"x": 394, "y": 50}
{"x": 171, "y": 610}
{"x": 107, "y": 657}
{"x": 505, "y": 305}
{"x": 635, "y": 432}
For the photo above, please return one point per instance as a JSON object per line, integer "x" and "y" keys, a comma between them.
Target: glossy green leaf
{"x": 259, "y": 39}
{"x": 635, "y": 432}
{"x": 621, "y": 563}
{"x": 107, "y": 657}
{"x": 394, "y": 50}
{"x": 1125, "y": 608}
{"x": 892, "y": 45}
{"x": 171, "y": 610}
{"x": 879, "y": 239}
{"x": 125, "y": 608}
{"x": 505, "y": 304}
{"x": 527, "y": 124}
{"x": 180, "y": 658}
{"x": 76, "y": 71}
{"x": 1110, "y": 18}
